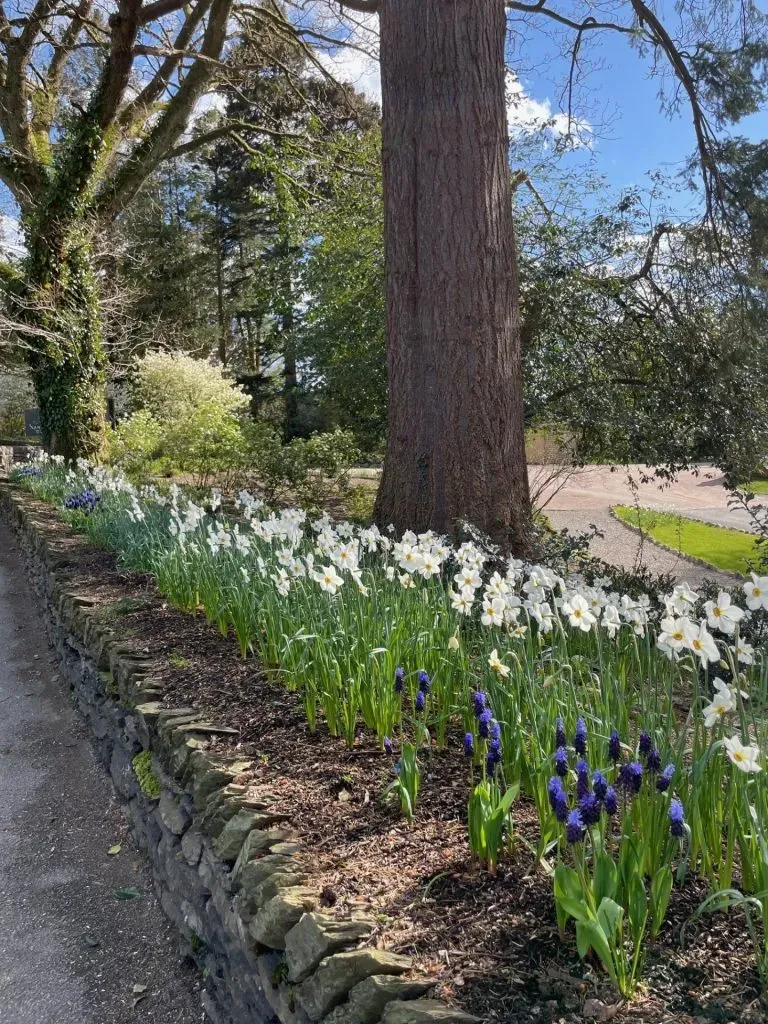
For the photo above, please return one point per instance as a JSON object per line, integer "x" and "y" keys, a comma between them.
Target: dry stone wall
{"x": 230, "y": 872}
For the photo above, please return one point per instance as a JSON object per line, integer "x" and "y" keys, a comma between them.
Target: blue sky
{"x": 621, "y": 98}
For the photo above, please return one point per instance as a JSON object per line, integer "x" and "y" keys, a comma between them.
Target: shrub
{"x": 135, "y": 443}
{"x": 171, "y": 385}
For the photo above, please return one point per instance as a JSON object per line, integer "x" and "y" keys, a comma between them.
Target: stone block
{"x": 315, "y": 937}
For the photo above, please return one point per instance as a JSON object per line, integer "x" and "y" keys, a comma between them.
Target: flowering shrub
{"x": 424, "y": 641}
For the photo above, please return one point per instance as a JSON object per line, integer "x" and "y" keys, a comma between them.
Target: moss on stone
{"x": 148, "y": 781}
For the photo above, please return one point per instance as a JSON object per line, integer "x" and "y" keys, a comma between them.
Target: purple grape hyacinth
{"x": 582, "y": 778}
{"x": 424, "y": 682}
{"x": 560, "y": 740}
{"x": 614, "y": 747}
{"x": 561, "y": 762}
{"x": 558, "y": 798}
{"x": 580, "y": 737}
{"x": 631, "y": 776}
{"x": 469, "y": 744}
{"x": 479, "y": 701}
{"x": 590, "y": 808}
{"x": 484, "y": 723}
{"x": 387, "y": 742}
{"x": 610, "y": 801}
{"x": 599, "y": 785}
{"x": 420, "y": 700}
{"x": 653, "y": 761}
{"x": 574, "y": 828}
{"x": 665, "y": 779}
{"x": 399, "y": 677}
{"x": 676, "y": 818}
{"x": 645, "y": 744}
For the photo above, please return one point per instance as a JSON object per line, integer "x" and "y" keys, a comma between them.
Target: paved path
{"x": 589, "y": 493}
{"x": 70, "y": 951}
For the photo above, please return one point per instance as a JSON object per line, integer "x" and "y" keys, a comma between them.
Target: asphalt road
{"x": 71, "y": 952}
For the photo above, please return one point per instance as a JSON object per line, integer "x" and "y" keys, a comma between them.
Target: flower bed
{"x": 512, "y": 678}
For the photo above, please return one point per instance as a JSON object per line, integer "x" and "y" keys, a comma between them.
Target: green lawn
{"x": 730, "y": 550}
{"x": 758, "y": 486}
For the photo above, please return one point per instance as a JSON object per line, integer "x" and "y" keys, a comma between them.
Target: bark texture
{"x": 455, "y": 440}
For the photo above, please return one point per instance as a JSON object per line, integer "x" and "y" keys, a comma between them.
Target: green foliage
{"x": 489, "y": 819}
{"x": 408, "y": 781}
{"x": 722, "y": 548}
{"x": 150, "y": 784}
{"x": 135, "y": 443}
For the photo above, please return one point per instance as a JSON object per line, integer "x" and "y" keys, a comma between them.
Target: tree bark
{"x": 455, "y": 449}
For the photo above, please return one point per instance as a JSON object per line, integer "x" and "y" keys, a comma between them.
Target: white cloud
{"x": 526, "y": 115}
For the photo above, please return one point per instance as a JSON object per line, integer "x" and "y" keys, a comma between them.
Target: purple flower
{"x": 653, "y": 761}
{"x": 631, "y": 776}
{"x": 665, "y": 779}
{"x": 495, "y": 731}
{"x": 614, "y": 747}
{"x": 420, "y": 700}
{"x": 582, "y": 778}
{"x": 561, "y": 762}
{"x": 479, "y": 701}
{"x": 493, "y": 758}
{"x": 424, "y": 682}
{"x": 610, "y": 802}
{"x": 676, "y": 818}
{"x": 580, "y": 737}
{"x": 560, "y": 740}
{"x": 590, "y": 807}
{"x": 399, "y": 677}
{"x": 644, "y": 744}
{"x": 387, "y": 745}
{"x": 558, "y": 799}
{"x": 83, "y": 502}
{"x": 574, "y": 829}
{"x": 469, "y": 744}
{"x": 599, "y": 785}
{"x": 484, "y": 723}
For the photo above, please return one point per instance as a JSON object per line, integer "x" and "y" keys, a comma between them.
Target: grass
{"x": 721, "y": 548}
{"x": 759, "y": 486}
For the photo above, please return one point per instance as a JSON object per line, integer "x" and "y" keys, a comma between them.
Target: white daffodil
{"x": 611, "y": 620}
{"x": 757, "y": 593}
{"x": 675, "y": 634}
{"x": 328, "y": 578}
{"x": 453, "y": 643}
{"x": 745, "y": 653}
{"x": 723, "y": 614}
{"x": 463, "y": 600}
{"x": 468, "y": 577}
{"x": 493, "y": 611}
{"x": 702, "y": 643}
{"x": 578, "y": 612}
{"x": 497, "y": 665}
{"x": 406, "y": 581}
{"x": 722, "y": 704}
{"x": 747, "y": 758}
{"x": 430, "y": 566}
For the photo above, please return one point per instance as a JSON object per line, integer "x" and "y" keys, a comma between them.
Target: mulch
{"x": 490, "y": 942}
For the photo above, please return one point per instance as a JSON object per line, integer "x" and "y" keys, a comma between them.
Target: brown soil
{"x": 490, "y": 942}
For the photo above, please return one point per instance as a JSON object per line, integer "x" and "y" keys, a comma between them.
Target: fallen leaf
{"x": 114, "y": 850}
{"x": 127, "y": 892}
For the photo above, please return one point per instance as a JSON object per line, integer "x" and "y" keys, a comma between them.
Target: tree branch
{"x": 173, "y": 122}
{"x": 362, "y": 6}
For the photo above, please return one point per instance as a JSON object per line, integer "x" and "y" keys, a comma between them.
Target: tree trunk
{"x": 60, "y": 304}
{"x": 455, "y": 449}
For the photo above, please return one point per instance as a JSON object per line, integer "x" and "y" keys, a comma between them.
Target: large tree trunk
{"x": 66, "y": 357}
{"x": 455, "y": 449}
